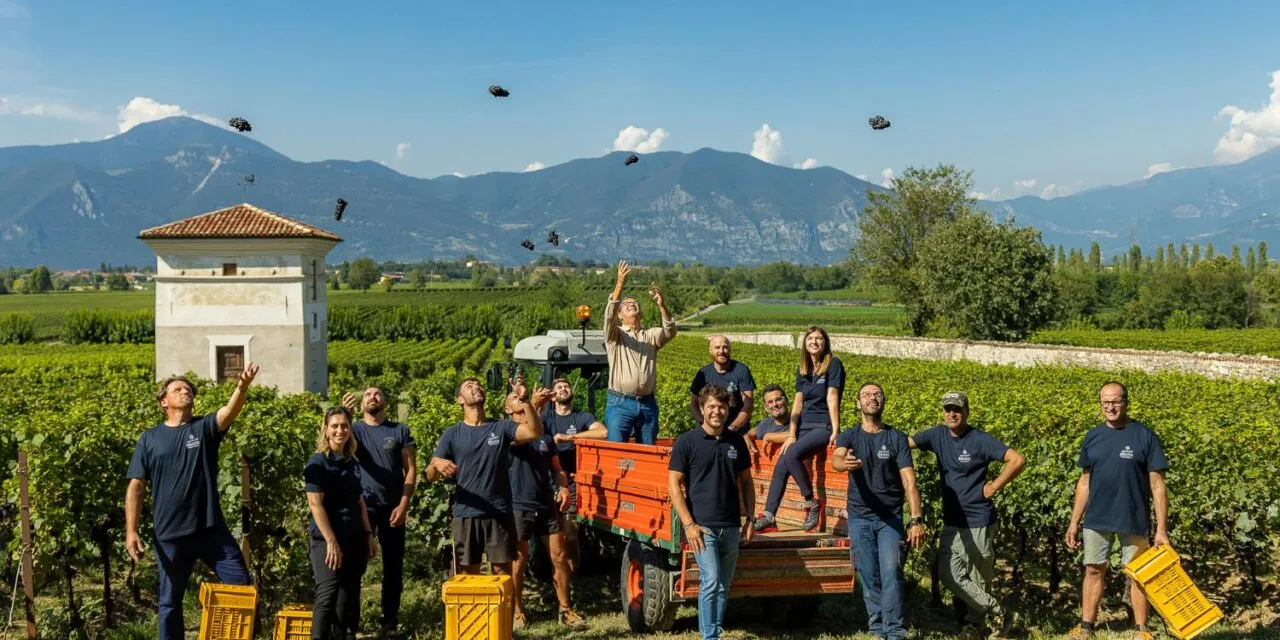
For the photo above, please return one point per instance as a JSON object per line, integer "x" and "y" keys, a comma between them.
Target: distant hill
{"x": 79, "y": 204}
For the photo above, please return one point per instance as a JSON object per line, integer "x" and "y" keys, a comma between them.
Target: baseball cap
{"x": 955, "y": 399}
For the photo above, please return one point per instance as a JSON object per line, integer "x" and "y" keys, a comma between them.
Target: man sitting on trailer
{"x": 566, "y": 424}
{"x": 179, "y": 457}
{"x": 475, "y": 451}
{"x": 731, "y": 374}
{"x": 712, "y": 467}
{"x": 632, "y": 351}
{"x": 776, "y": 426}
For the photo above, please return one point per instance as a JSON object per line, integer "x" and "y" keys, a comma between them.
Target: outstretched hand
{"x": 247, "y": 376}
{"x": 623, "y": 271}
{"x": 655, "y": 292}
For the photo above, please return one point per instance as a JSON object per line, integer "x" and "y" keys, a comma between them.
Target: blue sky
{"x": 1069, "y": 97}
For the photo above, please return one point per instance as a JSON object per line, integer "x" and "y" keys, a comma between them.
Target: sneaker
{"x": 812, "y": 515}
{"x": 570, "y": 618}
{"x": 764, "y": 523}
{"x": 388, "y": 632}
{"x": 1143, "y": 634}
{"x": 519, "y": 621}
{"x": 1080, "y": 633}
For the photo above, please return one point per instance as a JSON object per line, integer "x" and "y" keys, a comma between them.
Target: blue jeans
{"x": 626, "y": 417}
{"x": 811, "y": 439}
{"x": 716, "y": 562}
{"x": 877, "y": 557}
{"x": 177, "y": 557}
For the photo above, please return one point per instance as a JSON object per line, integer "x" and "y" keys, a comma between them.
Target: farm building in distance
{"x": 241, "y": 284}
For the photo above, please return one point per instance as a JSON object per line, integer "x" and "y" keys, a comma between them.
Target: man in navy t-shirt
{"x": 709, "y": 470}
{"x": 1123, "y": 465}
{"x": 475, "y": 452}
{"x": 776, "y": 426}
{"x": 389, "y": 465}
{"x": 567, "y": 425}
{"x": 966, "y": 554}
{"x": 179, "y": 457}
{"x": 734, "y": 376}
{"x": 877, "y": 458}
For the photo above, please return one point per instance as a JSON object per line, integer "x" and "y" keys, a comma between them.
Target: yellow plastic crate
{"x": 1184, "y": 608}
{"x": 478, "y": 607}
{"x": 227, "y": 611}
{"x": 293, "y": 623}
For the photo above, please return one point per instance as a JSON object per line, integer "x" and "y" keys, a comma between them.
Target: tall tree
{"x": 894, "y": 224}
{"x": 987, "y": 281}
{"x": 1095, "y": 256}
{"x": 1251, "y": 262}
{"x": 362, "y": 274}
{"x": 1262, "y": 253}
{"x": 40, "y": 281}
{"x": 1235, "y": 253}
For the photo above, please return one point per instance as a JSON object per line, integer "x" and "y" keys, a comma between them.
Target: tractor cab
{"x": 558, "y": 353}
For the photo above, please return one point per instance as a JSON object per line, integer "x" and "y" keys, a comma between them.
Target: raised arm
{"x": 668, "y": 330}
{"x": 235, "y": 404}
{"x": 530, "y": 428}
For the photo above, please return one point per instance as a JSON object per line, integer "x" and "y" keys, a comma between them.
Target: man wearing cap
{"x": 632, "y": 410}
{"x": 965, "y": 552}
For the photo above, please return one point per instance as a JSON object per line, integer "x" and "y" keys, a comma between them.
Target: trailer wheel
{"x": 646, "y": 589}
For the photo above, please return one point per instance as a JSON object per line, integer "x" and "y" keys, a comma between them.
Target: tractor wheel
{"x": 646, "y": 589}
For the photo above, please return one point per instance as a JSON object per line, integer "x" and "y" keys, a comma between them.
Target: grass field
{"x": 756, "y": 316}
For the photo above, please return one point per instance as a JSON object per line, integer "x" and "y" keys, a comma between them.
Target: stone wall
{"x": 1027, "y": 355}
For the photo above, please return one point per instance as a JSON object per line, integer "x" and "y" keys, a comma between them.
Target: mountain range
{"x": 75, "y": 205}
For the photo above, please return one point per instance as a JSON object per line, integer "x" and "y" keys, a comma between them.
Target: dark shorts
{"x": 543, "y": 522}
{"x": 473, "y": 538}
{"x": 573, "y": 498}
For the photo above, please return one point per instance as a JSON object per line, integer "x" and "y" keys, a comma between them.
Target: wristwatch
{"x": 915, "y": 520}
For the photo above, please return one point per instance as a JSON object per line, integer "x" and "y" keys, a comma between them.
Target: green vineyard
{"x": 84, "y": 407}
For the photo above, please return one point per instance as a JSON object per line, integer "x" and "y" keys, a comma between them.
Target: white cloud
{"x": 534, "y": 166}
{"x": 990, "y": 196}
{"x": 402, "y": 149}
{"x": 459, "y": 175}
{"x": 142, "y": 109}
{"x": 55, "y": 110}
{"x": 767, "y": 144}
{"x": 1251, "y": 132}
{"x": 1052, "y": 191}
{"x": 887, "y": 178}
{"x": 1023, "y": 186}
{"x": 634, "y": 138}
{"x": 808, "y": 163}
{"x": 1160, "y": 167}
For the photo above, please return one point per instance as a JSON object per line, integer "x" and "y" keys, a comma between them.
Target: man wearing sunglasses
{"x": 966, "y": 554}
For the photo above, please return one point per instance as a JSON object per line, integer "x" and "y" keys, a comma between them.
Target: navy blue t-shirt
{"x": 711, "y": 467}
{"x": 736, "y": 380}
{"x": 339, "y": 480}
{"x": 530, "y": 471}
{"x": 380, "y": 457}
{"x": 481, "y": 453}
{"x": 814, "y": 391}
{"x": 181, "y": 463}
{"x": 876, "y": 490}
{"x": 769, "y": 425}
{"x": 574, "y": 423}
{"x": 962, "y": 466}
{"x": 1119, "y": 461}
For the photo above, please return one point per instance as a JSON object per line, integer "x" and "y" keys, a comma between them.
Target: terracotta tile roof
{"x": 240, "y": 221}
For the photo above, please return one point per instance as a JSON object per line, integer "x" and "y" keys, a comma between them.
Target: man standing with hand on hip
{"x": 632, "y": 351}
{"x": 711, "y": 465}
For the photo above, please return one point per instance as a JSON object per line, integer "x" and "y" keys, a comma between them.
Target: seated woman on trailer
{"x": 815, "y": 423}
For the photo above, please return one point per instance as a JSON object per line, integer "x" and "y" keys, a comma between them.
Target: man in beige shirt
{"x": 632, "y": 410}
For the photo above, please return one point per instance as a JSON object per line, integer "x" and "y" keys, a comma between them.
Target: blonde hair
{"x": 807, "y": 366}
{"x": 322, "y": 441}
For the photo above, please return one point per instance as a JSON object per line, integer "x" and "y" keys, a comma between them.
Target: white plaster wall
{"x": 278, "y": 351}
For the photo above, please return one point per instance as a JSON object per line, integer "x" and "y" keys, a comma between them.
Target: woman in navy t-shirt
{"x": 815, "y": 423}
{"x": 341, "y": 540}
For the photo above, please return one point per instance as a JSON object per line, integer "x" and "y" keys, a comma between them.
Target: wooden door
{"x": 230, "y": 363}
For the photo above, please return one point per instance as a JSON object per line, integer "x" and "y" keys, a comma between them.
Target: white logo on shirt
{"x": 542, "y": 446}
{"x": 192, "y": 441}
{"x": 883, "y": 454}
{"x": 573, "y": 428}
{"x": 388, "y": 443}
{"x": 733, "y": 453}
{"x": 493, "y": 440}
{"x": 964, "y": 456}
{"x": 1127, "y": 454}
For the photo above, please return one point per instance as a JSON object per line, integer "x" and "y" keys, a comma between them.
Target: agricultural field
{"x": 1263, "y": 342}
{"x": 755, "y": 316}
{"x": 84, "y": 406}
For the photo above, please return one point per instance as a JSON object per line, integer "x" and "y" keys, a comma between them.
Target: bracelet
{"x": 691, "y": 524}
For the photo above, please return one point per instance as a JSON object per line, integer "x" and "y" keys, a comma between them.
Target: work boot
{"x": 764, "y": 523}
{"x": 1080, "y": 633}
{"x": 570, "y": 618}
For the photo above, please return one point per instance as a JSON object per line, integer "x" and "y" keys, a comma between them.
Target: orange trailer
{"x": 622, "y": 488}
